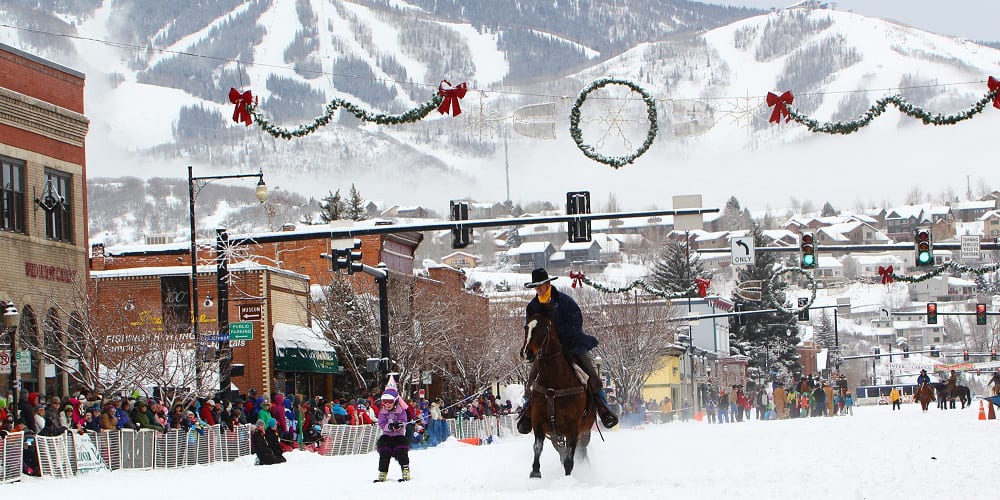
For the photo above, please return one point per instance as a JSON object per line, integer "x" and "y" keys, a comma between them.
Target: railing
{"x": 67, "y": 455}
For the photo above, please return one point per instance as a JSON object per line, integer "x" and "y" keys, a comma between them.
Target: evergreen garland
{"x": 588, "y": 150}
{"x": 772, "y": 298}
{"x": 880, "y": 106}
{"x": 410, "y": 116}
{"x": 937, "y": 270}
{"x": 691, "y": 292}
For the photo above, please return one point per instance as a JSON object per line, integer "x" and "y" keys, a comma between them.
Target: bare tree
{"x": 634, "y": 335}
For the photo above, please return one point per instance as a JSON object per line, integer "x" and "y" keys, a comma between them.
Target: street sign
{"x": 690, "y": 222}
{"x": 242, "y": 330}
{"x": 251, "y": 312}
{"x": 970, "y": 247}
{"x": 23, "y": 361}
{"x": 743, "y": 252}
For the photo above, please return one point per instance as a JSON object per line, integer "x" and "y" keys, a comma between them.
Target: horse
{"x": 561, "y": 410}
{"x": 946, "y": 398}
{"x": 924, "y": 395}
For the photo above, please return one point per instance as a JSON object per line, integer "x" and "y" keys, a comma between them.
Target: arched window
{"x": 27, "y": 331}
{"x": 53, "y": 334}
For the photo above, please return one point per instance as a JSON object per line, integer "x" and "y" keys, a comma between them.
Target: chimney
{"x": 97, "y": 257}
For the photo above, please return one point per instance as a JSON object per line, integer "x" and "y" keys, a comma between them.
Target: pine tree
{"x": 825, "y": 336}
{"x": 828, "y": 210}
{"x": 332, "y": 207}
{"x": 356, "y": 205}
{"x": 732, "y": 214}
{"x": 767, "y": 339}
{"x": 674, "y": 271}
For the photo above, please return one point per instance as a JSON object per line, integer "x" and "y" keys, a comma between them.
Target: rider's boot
{"x": 594, "y": 386}
{"x": 524, "y": 419}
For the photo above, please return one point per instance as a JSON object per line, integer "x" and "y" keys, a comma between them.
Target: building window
{"x": 12, "y": 189}
{"x": 56, "y": 202}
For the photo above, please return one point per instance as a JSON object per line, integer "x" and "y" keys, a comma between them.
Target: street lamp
{"x": 688, "y": 340}
{"x": 261, "y": 193}
{"x": 10, "y": 319}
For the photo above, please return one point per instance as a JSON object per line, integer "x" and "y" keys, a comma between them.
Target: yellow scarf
{"x": 544, "y": 298}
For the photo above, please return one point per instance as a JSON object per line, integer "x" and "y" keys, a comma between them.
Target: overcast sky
{"x": 972, "y": 19}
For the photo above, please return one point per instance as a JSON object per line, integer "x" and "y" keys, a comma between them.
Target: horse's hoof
{"x": 535, "y": 474}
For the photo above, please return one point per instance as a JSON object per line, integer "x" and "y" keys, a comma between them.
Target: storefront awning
{"x": 300, "y": 349}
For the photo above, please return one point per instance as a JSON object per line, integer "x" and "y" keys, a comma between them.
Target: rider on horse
{"x": 565, "y": 314}
{"x": 923, "y": 380}
{"x": 995, "y": 382}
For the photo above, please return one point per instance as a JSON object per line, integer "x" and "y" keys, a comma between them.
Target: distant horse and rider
{"x": 946, "y": 395}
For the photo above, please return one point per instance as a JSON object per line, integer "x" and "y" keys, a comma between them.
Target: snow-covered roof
{"x": 244, "y": 266}
{"x": 299, "y": 337}
{"x": 581, "y": 245}
{"x": 953, "y": 281}
{"x": 975, "y": 205}
{"x": 530, "y": 247}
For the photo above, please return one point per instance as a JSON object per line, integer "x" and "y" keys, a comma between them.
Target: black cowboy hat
{"x": 538, "y": 277}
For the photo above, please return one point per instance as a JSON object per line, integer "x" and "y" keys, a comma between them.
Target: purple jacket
{"x": 395, "y": 415}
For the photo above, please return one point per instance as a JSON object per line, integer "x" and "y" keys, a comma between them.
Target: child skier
{"x": 393, "y": 443}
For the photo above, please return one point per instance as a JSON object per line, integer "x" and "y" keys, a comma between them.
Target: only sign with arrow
{"x": 743, "y": 251}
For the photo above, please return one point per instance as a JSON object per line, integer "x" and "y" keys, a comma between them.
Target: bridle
{"x": 541, "y": 353}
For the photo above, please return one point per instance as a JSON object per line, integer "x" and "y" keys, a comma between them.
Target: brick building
{"x": 296, "y": 251}
{"x": 43, "y": 210}
{"x": 145, "y": 309}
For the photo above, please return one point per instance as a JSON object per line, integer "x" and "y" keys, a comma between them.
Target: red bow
{"x": 242, "y": 101}
{"x": 994, "y": 85}
{"x": 451, "y": 96}
{"x": 577, "y": 277}
{"x": 886, "y": 274}
{"x": 702, "y": 284}
{"x": 780, "y": 105}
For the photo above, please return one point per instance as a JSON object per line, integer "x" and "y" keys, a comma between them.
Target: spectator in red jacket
{"x": 205, "y": 412}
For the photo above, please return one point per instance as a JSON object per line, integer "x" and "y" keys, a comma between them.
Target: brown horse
{"x": 924, "y": 395}
{"x": 560, "y": 409}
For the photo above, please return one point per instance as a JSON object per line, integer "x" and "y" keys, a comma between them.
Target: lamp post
{"x": 261, "y": 194}
{"x": 10, "y": 319}
{"x": 688, "y": 367}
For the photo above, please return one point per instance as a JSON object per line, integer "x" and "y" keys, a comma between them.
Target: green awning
{"x": 299, "y": 349}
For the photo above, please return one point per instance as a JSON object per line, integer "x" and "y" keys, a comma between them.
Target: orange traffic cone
{"x": 991, "y": 415}
{"x": 982, "y": 412}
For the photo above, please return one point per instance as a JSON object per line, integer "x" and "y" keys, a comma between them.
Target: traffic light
{"x": 935, "y": 353}
{"x": 906, "y": 351}
{"x": 808, "y": 247}
{"x": 878, "y": 351}
{"x": 965, "y": 355}
{"x": 347, "y": 259}
{"x": 738, "y": 308}
{"x": 980, "y": 314}
{"x": 924, "y": 248}
{"x": 578, "y": 202}
{"x": 461, "y": 235}
{"x": 803, "y": 309}
{"x": 932, "y": 313}
{"x": 353, "y": 255}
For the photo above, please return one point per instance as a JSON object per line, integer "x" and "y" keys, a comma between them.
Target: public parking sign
{"x": 242, "y": 330}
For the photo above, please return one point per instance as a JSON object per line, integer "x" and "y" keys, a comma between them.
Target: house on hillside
{"x": 531, "y": 255}
{"x": 991, "y": 225}
{"x": 850, "y": 233}
{"x": 459, "y": 260}
{"x": 901, "y": 222}
{"x": 944, "y": 289}
{"x": 829, "y": 271}
{"x": 867, "y": 265}
{"x": 582, "y": 254}
{"x": 967, "y": 211}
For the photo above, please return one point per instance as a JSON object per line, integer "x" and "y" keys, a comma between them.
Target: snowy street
{"x": 875, "y": 454}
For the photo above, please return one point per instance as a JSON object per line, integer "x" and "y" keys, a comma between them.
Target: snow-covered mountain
{"x": 156, "y": 95}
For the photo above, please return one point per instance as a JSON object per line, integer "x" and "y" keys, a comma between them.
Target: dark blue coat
{"x": 565, "y": 314}
{"x": 923, "y": 379}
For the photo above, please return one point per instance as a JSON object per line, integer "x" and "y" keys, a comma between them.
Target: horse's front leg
{"x": 569, "y": 453}
{"x": 539, "y": 443}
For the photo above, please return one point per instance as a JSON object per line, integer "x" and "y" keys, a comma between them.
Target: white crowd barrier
{"x": 11, "y": 456}
{"x": 144, "y": 449}
{"x": 58, "y": 456}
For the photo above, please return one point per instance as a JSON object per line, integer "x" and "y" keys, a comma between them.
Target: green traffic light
{"x": 924, "y": 257}
{"x": 808, "y": 260}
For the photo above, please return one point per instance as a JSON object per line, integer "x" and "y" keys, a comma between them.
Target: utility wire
{"x": 142, "y": 48}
